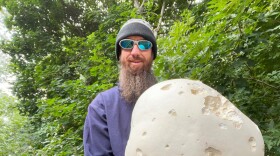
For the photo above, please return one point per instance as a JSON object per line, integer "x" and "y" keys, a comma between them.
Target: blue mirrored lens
{"x": 126, "y": 44}
{"x": 144, "y": 45}
{"x": 141, "y": 47}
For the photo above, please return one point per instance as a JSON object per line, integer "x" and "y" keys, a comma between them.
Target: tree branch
{"x": 190, "y": 4}
{"x": 137, "y": 5}
{"x": 263, "y": 83}
{"x": 142, "y": 5}
{"x": 252, "y": 78}
{"x": 160, "y": 19}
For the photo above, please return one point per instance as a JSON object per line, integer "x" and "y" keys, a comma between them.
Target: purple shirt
{"x": 107, "y": 125}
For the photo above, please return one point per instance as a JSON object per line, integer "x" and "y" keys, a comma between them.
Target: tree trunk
{"x": 160, "y": 19}
{"x": 139, "y": 7}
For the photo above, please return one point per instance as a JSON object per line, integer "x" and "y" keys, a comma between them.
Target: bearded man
{"x": 107, "y": 125}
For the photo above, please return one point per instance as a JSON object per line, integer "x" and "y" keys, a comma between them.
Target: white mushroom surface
{"x": 184, "y": 117}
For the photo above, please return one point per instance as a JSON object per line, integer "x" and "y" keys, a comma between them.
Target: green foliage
{"x": 62, "y": 53}
{"x": 4, "y": 70}
{"x": 14, "y": 137}
{"x": 233, "y": 48}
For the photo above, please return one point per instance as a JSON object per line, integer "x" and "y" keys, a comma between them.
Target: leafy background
{"x": 62, "y": 53}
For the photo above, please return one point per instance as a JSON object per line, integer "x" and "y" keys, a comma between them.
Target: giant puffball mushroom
{"x": 184, "y": 117}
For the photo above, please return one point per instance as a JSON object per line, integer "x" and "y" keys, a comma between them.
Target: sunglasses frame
{"x": 135, "y": 42}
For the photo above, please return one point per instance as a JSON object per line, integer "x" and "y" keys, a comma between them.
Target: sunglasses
{"x": 142, "y": 44}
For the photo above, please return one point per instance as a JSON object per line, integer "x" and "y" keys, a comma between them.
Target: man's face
{"x": 136, "y": 60}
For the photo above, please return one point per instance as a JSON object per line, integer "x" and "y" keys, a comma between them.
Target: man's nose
{"x": 135, "y": 50}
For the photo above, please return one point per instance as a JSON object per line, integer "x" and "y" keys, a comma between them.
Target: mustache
{"x": 136, "y": 58}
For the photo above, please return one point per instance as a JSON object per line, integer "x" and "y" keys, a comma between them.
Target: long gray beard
{"x": 133, "y": 85}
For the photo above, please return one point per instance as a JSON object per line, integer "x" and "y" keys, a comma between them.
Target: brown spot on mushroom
{"x": 166, "y": 87}
{"x": 166, "y": 146}
{"x": 144, "y": 133}
{"x": 172, "y": 112}
{"x": 139, "y": 152}
{"x": 222, "y": 109}
{"x": 253, "y": 144}
{"x": 181, "y": 92}
{"x": 210, "y": 151}
{"x": 194, "y": 91}
{"x": 205, "y": 111}
{"x": 153, "y": 119}
{"x": 213, "y": 103}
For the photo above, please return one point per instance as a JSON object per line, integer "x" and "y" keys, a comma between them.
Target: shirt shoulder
{"x": 107, "y": 97}
{"x": 114, "y": 91}
{"x": 111, "y": 95}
